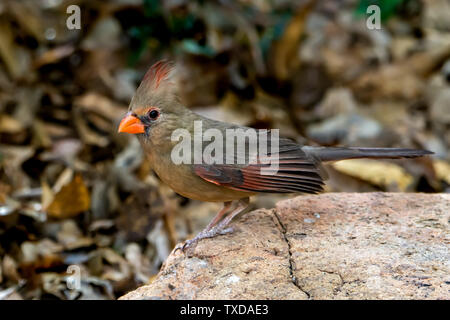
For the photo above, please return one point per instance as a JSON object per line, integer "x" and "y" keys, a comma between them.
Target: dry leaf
{"x": 54, "y": 55}
{"x": 71, "y": 200}
{"x": 380, "y": 173}
{"x": 88, "y": 135}
{"x": 29, "y": 16}
{"x": 10, "y": 268}
{"x": 442, "y": 169}
{"x": 400, "y": 80}
{"x": 10, "y": 294}
{"x": 102, "y": 105}
{"x": 9, "y": 124}
{"x": 285, "y": 51}
{"x": 8, "y": 50}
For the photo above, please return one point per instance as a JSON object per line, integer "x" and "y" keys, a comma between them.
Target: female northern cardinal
{"x": 155, "y": 112}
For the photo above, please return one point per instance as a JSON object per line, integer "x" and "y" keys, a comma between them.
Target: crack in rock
{"x": 291, "y": 260}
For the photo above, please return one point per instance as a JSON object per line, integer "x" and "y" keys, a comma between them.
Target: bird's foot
{"x": 203, "y": 235}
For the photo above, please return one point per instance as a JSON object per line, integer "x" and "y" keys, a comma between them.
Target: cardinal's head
{"x": 155, "y": 110}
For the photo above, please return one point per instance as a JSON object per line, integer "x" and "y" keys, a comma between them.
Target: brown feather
{"x": 157, "y": 73}
{"x": 297, "y": 172}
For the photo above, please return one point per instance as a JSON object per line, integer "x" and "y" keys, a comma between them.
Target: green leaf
{"x": 387, "y": 7}
{"x": 191, "y": 46}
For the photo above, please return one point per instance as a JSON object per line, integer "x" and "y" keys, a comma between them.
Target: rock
{"x": 347, "y": 128}
{"x": 440, "y": 108}
{"x": 329, "y": 246}
{"x": 436, "y": 15}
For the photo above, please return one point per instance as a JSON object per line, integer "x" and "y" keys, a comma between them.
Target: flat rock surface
{"x": 328, "y": 246}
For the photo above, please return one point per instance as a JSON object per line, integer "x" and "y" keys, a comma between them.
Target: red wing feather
{"x": 296, "y": 173}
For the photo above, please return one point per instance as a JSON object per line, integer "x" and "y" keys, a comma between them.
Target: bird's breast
{"x": 182, "y": 179}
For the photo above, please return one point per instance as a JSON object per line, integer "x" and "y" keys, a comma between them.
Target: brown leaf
{"x": 29, "y": 17}
{"x": 379, "y": 173}
{"x": 402, "y": 79}
{"x": 8, "y": 50}
{"x": 442, "y": 170}
{"x": 9, "y": 267}
{"x": 88, "y": 135}
{"x": 54, "y": 55}
{"x": 285, "y": 50}
{"x": 102, "y": 105}
{"x": 71, "y": 200}
{"x": 10, "y": 125}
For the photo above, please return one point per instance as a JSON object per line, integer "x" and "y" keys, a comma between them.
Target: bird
{"x": 156, "y": 112}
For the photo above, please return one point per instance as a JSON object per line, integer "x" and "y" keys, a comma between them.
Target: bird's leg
{"x": 223, "y": 212}
{"x": 215, "y": 227}
{"x": 242, "y": 205}
{"x": 204, "y": 233}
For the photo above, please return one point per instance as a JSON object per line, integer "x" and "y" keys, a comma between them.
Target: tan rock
{"x": 329, "y": 246}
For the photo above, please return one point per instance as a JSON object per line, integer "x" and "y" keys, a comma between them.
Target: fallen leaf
{"x": 10, "y": 294}
{"x": 88, "y": 135}
{"x": 10, "y": 268}
{"x": 101, "y": 105}
{"x": 29, "y": 16}
{"x": 8, "y": 50}
{"x": 10, "y": 125}
{"x": 54, "y": 55}
{"x": 71, "y": 200}
{"x": 442, "y": 169}
{"x": 286, "y": 49}
{"x": 379, "y": 173}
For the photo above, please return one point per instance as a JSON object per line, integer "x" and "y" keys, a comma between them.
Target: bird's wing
{"x": 297, "y": 172}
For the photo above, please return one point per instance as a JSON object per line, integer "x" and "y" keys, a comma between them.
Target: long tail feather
{"x": 334, "y": 154}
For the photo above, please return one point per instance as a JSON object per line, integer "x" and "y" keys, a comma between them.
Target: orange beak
{"x": 131, "y": 124}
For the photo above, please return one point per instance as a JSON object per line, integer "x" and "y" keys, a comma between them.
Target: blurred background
{"x": 75, "y": 194}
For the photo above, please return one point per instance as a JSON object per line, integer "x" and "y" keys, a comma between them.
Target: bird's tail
{"x": 338, "y": 153}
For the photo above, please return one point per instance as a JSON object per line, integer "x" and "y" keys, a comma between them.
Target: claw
{"x": 178, "y": 247}
{"x": 215, "y": 227}
{"x": 186, "y": 245}
{"x": 202, "y": 235}
{"x": 181, "y": 247}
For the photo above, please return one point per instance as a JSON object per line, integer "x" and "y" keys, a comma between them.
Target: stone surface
{"x": 329, "y": 246}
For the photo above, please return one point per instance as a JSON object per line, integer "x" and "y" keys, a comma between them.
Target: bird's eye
{"x": 153, "y": 114}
